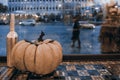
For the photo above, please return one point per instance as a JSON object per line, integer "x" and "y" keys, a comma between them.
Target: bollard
{"x": 12, "y": 38}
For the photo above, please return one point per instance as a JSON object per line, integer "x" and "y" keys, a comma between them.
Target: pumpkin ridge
{"x": 53, "y": 55}
{"x": 38, "y": 66}
{"x": 59, "y": 52}
{"x": 43, "y": 58}
{"x": 14, "y": 50}
{"x": 58, "y": 47}
{"x": 24, "y": 57}
{"x": 54, "y": 48}
{"x": 20, "y": 55}
{"x": 29, "y": 57}
{"x": 35, "y": 56}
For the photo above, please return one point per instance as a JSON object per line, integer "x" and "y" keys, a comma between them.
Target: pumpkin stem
{"x": 41, "y": 36}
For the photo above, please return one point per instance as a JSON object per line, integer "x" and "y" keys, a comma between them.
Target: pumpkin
{"x": 38, "y": 57}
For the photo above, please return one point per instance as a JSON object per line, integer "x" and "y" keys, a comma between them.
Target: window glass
{"x": 81, "y": 26}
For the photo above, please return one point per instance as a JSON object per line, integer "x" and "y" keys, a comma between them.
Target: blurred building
{"x": 35, "y": 6}
{"x": 74, "y": 7}
{"x": 85, "y": 8}
{"x": 51, "y": 6}
{"x": 102, "y": 4}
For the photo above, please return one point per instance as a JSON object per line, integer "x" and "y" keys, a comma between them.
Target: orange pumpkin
{"x": 38, "y": 57}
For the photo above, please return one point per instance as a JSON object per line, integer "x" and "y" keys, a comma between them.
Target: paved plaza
{"x": 56, "y": 31}
{"x": 67, "y": 70}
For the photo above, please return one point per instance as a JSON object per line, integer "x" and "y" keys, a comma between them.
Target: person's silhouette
{"x": 76, "y": 33}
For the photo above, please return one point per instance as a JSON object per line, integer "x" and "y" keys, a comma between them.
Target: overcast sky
{"x": 3, "y": 2}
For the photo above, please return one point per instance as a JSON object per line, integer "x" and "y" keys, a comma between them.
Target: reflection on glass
{"x": 110, "y": 31}
{"x": 56, "y": 22}
{"x": 110, "y": 39}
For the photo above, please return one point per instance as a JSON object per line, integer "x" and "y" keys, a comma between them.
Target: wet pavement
{"x": 67, "y": 70}
{"x": 57, "y": 31}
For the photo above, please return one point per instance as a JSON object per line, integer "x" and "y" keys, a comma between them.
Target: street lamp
{"x": 97, "y": 8}
{"x": 116, "y": 6}
{"x": 60, "y": 9}
{"x": 60, "y": 5}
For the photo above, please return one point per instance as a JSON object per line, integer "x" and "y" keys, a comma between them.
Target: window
{"x": 31, "y": 8}
{"x": 47, "y": 8}
{"x": 40, "y": 7}
{"x": 56, "y": 8}
{"x": 68, "y": 8}
{"x": 43, "y": 8}
{"x": 18, "y": 8}
{"x": 53, "y": 8}
{"x": 12, "y": 9}
{"x": 37, "y": 8}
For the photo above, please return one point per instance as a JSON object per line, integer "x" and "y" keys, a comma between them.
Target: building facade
{"x": 36, "y": 6}
{"x": 51, "y": 6}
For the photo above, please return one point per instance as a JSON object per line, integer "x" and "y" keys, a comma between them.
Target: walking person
{"x": 76, "y": 33}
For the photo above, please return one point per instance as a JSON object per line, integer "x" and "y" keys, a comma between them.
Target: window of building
{"x": 40, "y": 7}
{"x": 18, "y": 8}
{"x": 21, "y": 8}
{"x": 56, "y": 8}
{"x": 11, "y": 0}
{"x": 12, "y": 9}
{"x": 28, "y": 8}
{"x": 43, "y": 8}
{"x": 47, "y": 8}
{"x": 53, "y": 8}
{"x": 34, "y": 8}
{"x": 15, "y": 8}
{"x": 37, "y": 8}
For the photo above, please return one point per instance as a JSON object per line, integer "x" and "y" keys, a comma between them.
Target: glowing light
{"x": 59, "y": 5}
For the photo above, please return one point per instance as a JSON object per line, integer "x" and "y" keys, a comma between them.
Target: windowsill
{"x": 82, "y": 57}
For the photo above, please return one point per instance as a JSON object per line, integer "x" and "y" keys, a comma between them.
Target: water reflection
{"x": 110, "y": 39}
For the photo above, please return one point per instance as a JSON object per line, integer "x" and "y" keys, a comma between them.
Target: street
{"x": 56, "y": 31}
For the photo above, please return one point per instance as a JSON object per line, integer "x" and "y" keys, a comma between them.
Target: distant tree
{"x": 52, "y": 17}
{"x": 3, "y": 8}
{"x": 95, "y": 13}
{"x": 100, "y": 15}
{"x": 38, "y": 14}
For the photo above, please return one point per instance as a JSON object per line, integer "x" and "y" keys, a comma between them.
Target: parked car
{"x": 87, "y": 25}
{"x": 31, "y": 22}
